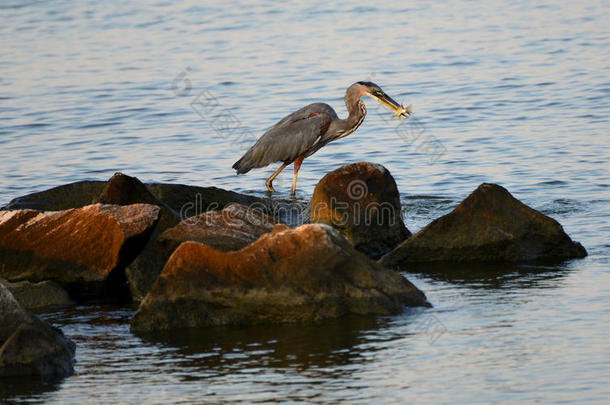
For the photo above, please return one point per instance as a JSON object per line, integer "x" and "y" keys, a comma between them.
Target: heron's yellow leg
{"x": 297, "y": 166}
{"x": 273, "y": 176}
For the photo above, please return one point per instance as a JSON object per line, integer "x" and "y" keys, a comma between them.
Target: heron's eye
{"x": 378, "y": 93}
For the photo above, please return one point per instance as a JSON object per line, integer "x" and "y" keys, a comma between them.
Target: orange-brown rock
{"x": 231, "y": 228}
{"x": 288, "y": 275}
{"x": 490, "y": 225}
{"x": 82, "y": 249}
{"x": 362, "y": 201}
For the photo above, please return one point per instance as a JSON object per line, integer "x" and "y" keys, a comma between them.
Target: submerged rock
{"x": 231, "y": 228}
{"x": 490, "y": 225}
{"x": 287, "y": 275}
{"x": 85, "y": 250}
{"x": 362, "y": 201}
{"x": 30, "y": 346}
{"x": 36, "y": 296}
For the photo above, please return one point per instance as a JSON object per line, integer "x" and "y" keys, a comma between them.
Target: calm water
{"x": 504, "y": 92}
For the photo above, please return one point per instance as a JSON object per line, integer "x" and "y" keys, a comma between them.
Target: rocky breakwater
{"x": 30, "y": 346}
{"x": 176, "y": 202}
{"x": 490, "y": 225}
{"x": 287, "y": 275}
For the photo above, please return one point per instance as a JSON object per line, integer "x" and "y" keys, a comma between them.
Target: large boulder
{"x": 38, "y": 296}
{"x": 85, "y": 250}
{"x": 490, "y": 225}
{"x": 361, "y": 200}
{"x": 232, "y": 228}
{"x": 29, "y": 346}
{"x": 288, "y": 275}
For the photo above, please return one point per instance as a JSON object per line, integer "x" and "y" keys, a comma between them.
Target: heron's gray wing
{"x": 288, "y": 139}
{"x": 305, "y": 112}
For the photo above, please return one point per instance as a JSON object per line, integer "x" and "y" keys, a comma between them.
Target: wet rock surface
{"x": 490, "y": 225}
{"x": 85, "y": 250}
{"x": 362, "y": 201}
{"x": 30, "y": 346}
{"x": 288, "y": 275}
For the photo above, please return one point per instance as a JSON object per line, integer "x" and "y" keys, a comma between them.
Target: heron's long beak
{"x": 399, "y": 110}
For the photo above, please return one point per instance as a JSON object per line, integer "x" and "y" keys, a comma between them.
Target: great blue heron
{"x": 302, "y": 133}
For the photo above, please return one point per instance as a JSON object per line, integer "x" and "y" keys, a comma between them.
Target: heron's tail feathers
{"x": 241, "y": 166}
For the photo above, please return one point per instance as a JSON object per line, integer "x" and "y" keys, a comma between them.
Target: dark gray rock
{"x": 490, "y": 225}
{"x": 37, "y": 296}
{"x": 142, "y": 272}
{"x": 30, "y": 346}
{"x": 73, "y": 195}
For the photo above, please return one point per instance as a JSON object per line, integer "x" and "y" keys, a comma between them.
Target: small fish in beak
{"x": 403, "y": 111}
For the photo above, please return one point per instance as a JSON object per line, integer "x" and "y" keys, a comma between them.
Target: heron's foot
{"x": 269, "y": 186}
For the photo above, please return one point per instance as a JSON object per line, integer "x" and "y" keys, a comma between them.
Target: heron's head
{"x": 374, "y": 91}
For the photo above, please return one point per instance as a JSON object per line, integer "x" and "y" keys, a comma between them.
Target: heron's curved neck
{"x": 356, "y": 113}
